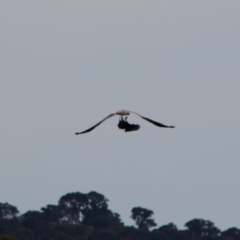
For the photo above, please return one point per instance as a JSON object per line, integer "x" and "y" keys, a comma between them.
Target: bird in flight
{"x": 123, "y": 123}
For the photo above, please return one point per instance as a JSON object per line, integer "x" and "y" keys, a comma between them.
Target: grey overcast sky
{"x": 65, "y": 65}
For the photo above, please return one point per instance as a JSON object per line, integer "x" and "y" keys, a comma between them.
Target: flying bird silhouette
{"x": 123, "y": 123}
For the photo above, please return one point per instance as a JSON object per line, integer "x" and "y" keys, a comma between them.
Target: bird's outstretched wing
{"x": 152, "y": 121}
{"x": 91, "y": 128}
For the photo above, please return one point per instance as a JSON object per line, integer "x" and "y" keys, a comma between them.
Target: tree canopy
{"x": 143, "y": 217}
{"x": 86, "y": 216}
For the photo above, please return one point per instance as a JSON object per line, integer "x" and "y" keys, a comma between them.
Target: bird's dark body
{"x": 124, "y": 125}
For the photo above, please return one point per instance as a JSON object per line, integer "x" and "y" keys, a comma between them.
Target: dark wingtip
{"x": 77, "y": 133}
{"x": 172, "y": 126}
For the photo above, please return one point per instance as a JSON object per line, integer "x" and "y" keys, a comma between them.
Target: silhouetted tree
{"x": 79, "y": 216}
{"x": 170, "y": 227}
{"x": 31, "y": 219}
{"x": 96, "y": 206}
{"x": 202, "y": 228}
{"x": 143, "y": 217}
{"x": 7, "y": 211}
{"x": 97, "y": 214}
{"x": 72, "y": 206}
{"x": 9, "y": 223}
{"x": 233, "y": 233}
{"x": 166, "y": 232}
{"x": 52, "y": 213}
{"x": 34, "y": 220}
{"x": 96, "y": 201}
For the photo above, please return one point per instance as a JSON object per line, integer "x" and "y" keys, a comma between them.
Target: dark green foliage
{"x": 7, "y": 211}
{"x": 9, "y": 226}
{"x": 96, "y": 201}
{"x": 105, "y": 235}
{"x": 25, "y": 234}
{"x": 79, "y": 216}
{"x": 203, "y": 228}
{"x": 7, "y": 237}
{"x": 232, "y": 233}
{"x": 72, "y": 206}
{"x": 96, "y": 208}
{"x": 52, "y": 213}
{"x": 45, "y": 237}
{"x": 34, "y": 221}
{"x": 168, "y": 231}
{"x": 142, "y": 217}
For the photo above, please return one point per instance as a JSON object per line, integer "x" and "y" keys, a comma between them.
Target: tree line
{"x": 80, "y": 216}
